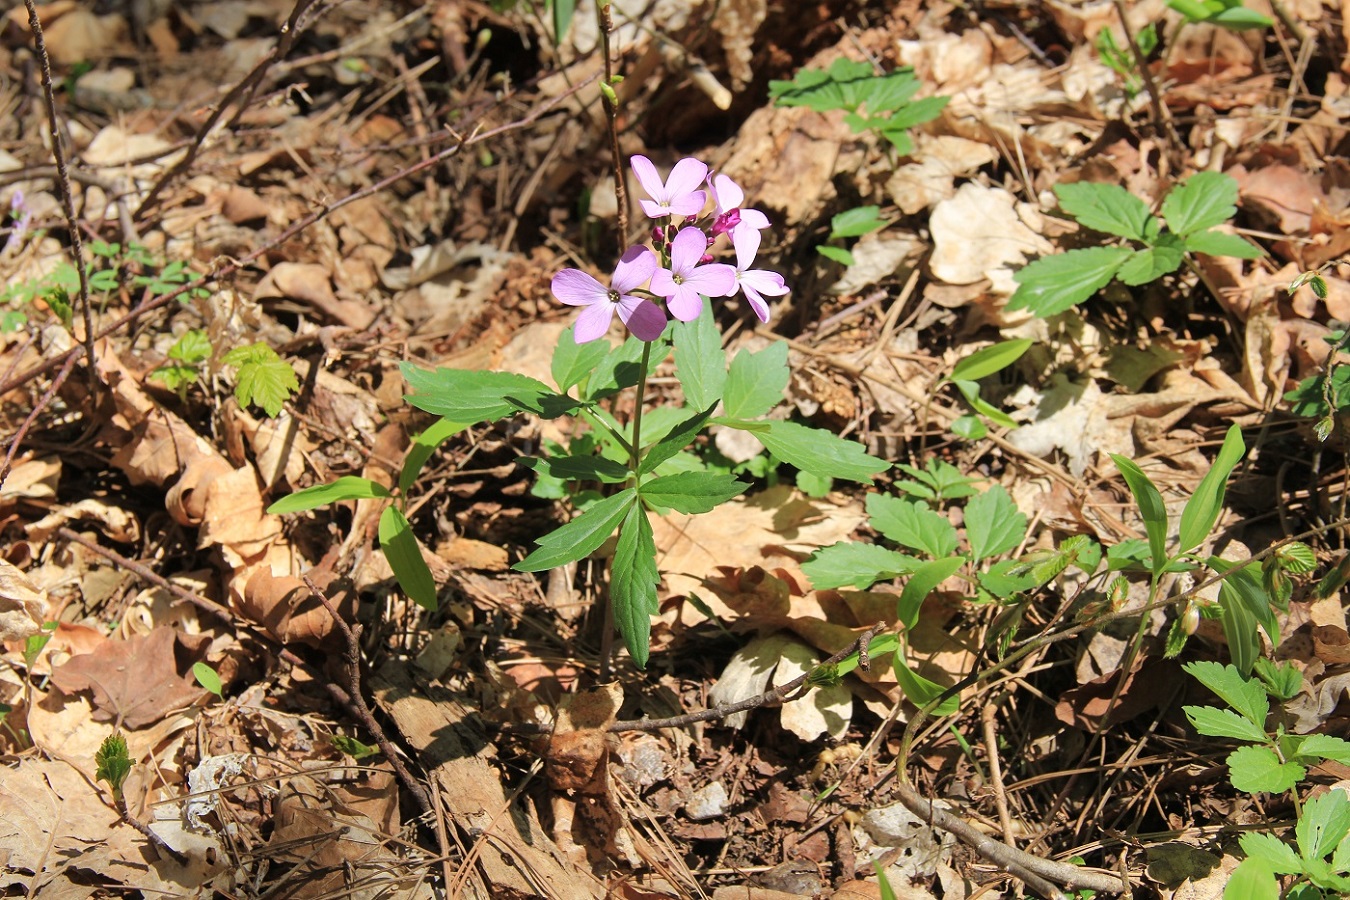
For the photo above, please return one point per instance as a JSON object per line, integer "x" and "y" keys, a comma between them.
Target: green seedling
{"x": 262, "y": 377}
{"x": 353, "y": 748}
{"x": 183, "y": 368}
{"x": 966, "y": 376}
{"x": 208, "y": 678}
{"x": 1189, "y": 214}
{"x": 1122, "y": 60}
{"x": 851, "y": 223}
{"x": 1230, "y": 14}
{"x": 113, "y": 765}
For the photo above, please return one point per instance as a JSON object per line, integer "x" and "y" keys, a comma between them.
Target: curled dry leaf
{"x": 23, "y": 607}
{"x": 290, "y": 612}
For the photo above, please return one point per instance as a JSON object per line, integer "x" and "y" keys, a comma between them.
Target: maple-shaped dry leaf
{"x": 140, "y": 680}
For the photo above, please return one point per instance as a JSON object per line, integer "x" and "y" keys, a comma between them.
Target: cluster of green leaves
{"x": 667, "y": 478}
{"x": 1189, "y": 214}
{"x": 851, "y": 223}
{"x": 1230, "y": 14}
{"x": 1122, "y": 60}
{"x": 1277, "y": 762}
{"x": 105, "y": 272}
{"x": 1324, "y": 395}
{"x": 881, "y": 103}
{"x": 262, "y": 378}
{"x": 397, "y": 541}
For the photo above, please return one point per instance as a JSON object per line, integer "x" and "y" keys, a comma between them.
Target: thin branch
{"x": 43, "y": 402}
{"x": 63, "y": 183}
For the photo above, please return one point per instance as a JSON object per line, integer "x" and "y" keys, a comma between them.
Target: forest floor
{"x": 359, "y": 186}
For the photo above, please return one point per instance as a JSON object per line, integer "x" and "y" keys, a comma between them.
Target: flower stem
{"x": 637, "y": 411}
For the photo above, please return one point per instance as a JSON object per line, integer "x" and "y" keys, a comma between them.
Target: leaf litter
{"x": 177, "y": 561}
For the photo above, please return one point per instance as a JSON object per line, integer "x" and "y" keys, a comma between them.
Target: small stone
{"x": 708, "y": 802}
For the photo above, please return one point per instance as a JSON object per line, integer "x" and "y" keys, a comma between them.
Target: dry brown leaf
{"x": 979, "y": 234}
{"x": 23, "y": 607}
{"x": 309, "y": 283}
{"x": 137, "y": 682}
{"x": 50, "y": 814}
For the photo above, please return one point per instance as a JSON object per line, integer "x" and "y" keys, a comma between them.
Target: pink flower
{"x": 682, "y": 283}
{"x": 754, "y": 283}
{"x": 731, "y": 217}
{"x": 643, "y": 317}
{"x": 678, "y": 195}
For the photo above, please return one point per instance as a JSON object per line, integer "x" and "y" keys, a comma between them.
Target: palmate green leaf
{"x": 348, "y": 487}
{"x": 856, "y": 222}
{"x": 580, "y": 537}
{"x": 1202, "y": 510}
{"x": 700, "y": 362}
{"x": 851, "y": 564}
{"x": 1221, "y": 243}
{"x": 1154, "y": 262}
{"x": 1105, "y": 207}
{"x": 911, "y": 114}
{"x": 823, "y": 90}
{"x": 886, "y": 93}
{"x": 1227, "y": 683}
{"x": 573, "y": 362}
{"x": 632, "y": 585}
{"x": 921, "y": 691}
{"x": 262, "y": 378}
{"x": 112, "y": 762}
{"x": 994, "y": 525}
{"x": 691, "y": 492}
{"x": 812, "y": 450}
{"x": 1202, "y": 201}
{"x": 912, "y": 524}
{"x": 756, "y": 382}
{"x": 463, "y": 395}
{"x": 1323, "y": 825}
{"x": 1223, "y": 723}
{"x": 1275, "y": 853}
{"x": 1256, "y": 769}
{"x": 405, "y": 558}
{"x": 1252, "y": 880}
{"x": 985, "y": 362}
{"x": 927, "y": 576}
{"x": 679, "y": 438}
{"x": 1151, "y": 508}
{"x": 423, "y": 445}
{"x": 193, "y": 348}
{"x": 1282, "y": 681}
{"x": 1053, "y": 284}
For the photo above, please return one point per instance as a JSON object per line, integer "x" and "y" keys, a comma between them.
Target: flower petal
{"x": 685, "y": 304}
{"x": 594, "y": 322}
{"x": 746, "y": 242}
{"x": 648, "y": 177}
{"x": 756, "y": 303}
{"x": 712, "y": 280}
{"x": 727, "y": 194}
{"x": 663, "y": 283}
{"x": 653, "y": 210}
{"x": 635, "y": 266}
{"x": 575, "y": 288}
{"x": 688, "y": 205}
{"x": 686, "y": 250}
{"x": 764, "y": 282}
{"x": 643, "y": 317}
{"x": 753, "y": 218}
{"x": 686, "y": 178}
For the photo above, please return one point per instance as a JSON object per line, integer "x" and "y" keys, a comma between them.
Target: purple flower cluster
{"x": 684, "y": 272}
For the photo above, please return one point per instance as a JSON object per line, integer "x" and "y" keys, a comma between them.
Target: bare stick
{"x": 63, "y": 182}
{"x": 357, "y": 704}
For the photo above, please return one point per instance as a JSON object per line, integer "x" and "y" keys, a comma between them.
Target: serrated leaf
{"x": 192, "y": 348}
{"x": 1323, "y": 825}
{"x": 985, "y": 362}
{"x": 423, "y": 445}
{"x": 1223, "y": 723}
{"x": 1104, "y": 207}
{"x": 1256, "y": 769}
{"x": 1053, "y": 284}
{"x": 1278, "y": 856}
{"x": 691, "y": 492}
{"x": 912, "y": 524}
{"x": 579, "y": 468}
{"x": 405, "y": 558}
{"x": 921, "y": 691}
{"x": 1221, "y": 243}
{"x": 573, "y": 362}
{"x": 856, "y": 565}
{"x": 1203, "y": 508}
{"x": 679, "y": 438}
{"x": 838, "y": 254}
{"x": 1325, "y": 746}
{"x": 632, "y": 585}
{"x": 757, "y": 381}
{"x": 1252, "y": 880}
{"x": 927, "y": 576}
{"x": 1202, "y": 201}
{"x": 580, "y": 537}
{"x": 1228, "y": 684}
{"x": 812, "y": 449}
{"x": 700, "y": 362}
{"x": 1151, "y": 508}
{"x": 464, "y": 395}
{"x": 1152, "y": 263}
{"x": 856, "y": 222}
{"x": 994, "y": 525}
{"x": 348, "y": 487}
{"x": 262, "y": 378}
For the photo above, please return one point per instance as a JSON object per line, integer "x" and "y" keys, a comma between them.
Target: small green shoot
{"x": 208, "y": 678}
{"x": 185, "y": 359}
{"x": 353, "y": 748}
{"x": 1189, "y": 214}
{"x": 1122, "y": 60}
{"x": 113, "y": 763}
{"x": 263, "y": 378}
{"x": 849, "y": 224}
{"x": 981, "y": 364}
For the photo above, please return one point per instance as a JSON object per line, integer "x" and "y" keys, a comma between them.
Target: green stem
{"x": 637, "y": 412}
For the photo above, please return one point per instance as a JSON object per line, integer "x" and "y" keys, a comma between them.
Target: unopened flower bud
{"x": 725, "y": 222}
{"x": 705, "y": 259}
{"x": 1190, "y": 619}
{"x": 658, "y": 235}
